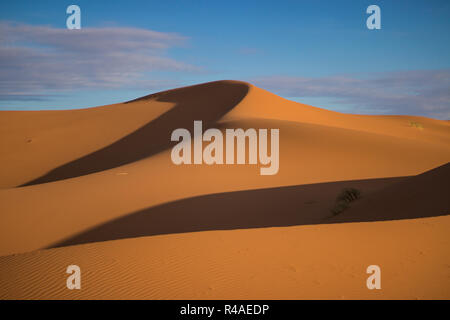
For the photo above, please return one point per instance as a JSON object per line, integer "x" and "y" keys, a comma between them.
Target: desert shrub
{"x": 344, "y": 198}
{"x": 348, "y": 195}
{"x": 417, "y": 125}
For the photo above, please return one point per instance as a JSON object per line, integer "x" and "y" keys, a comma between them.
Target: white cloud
{"x": 40, "y": 60}
{"x": 417, "y": 92}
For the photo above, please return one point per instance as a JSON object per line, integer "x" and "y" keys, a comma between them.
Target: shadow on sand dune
{"x": 208, "y": 102}
{"x": 383, "y": 199}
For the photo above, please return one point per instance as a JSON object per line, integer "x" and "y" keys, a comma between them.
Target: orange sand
{"x": 100, "y": 174}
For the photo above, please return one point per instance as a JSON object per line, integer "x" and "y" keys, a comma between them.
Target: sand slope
{"x": 424, "y": 195}
{"x": 100, "y": 174}
{"x": 413, "y": 197}
{"x": 309, "y": 262}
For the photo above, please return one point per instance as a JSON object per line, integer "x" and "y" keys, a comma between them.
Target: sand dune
{"x": 105, "y": 173}
{"x": 259, "y": 104}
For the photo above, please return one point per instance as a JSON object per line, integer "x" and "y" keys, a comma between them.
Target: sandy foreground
{"x": 96, "y": 187}
{"x": 307, "y": 262}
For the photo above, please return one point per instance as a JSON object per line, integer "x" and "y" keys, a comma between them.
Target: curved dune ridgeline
{"x": 419, "y": 196}
{"x": 207, "y": 102}
{"x": 97, "y": 187}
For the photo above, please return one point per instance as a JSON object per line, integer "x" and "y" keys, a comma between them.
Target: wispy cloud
{"x": 39, "y": 60}
{"x": 418, "y": 92}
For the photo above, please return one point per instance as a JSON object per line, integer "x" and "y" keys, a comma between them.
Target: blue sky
{"x": 313, "y": 51}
